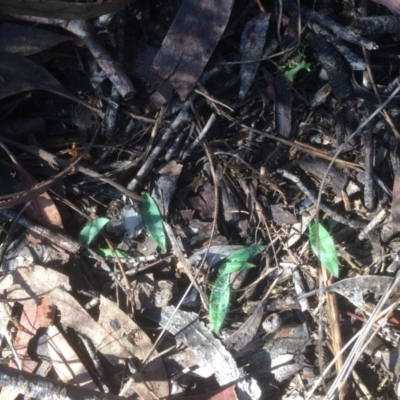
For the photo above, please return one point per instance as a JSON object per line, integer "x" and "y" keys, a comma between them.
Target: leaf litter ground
{"x": 142, "y": 153}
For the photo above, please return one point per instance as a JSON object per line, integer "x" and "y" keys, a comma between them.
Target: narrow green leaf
{"x": 91, "y": 230}
{"x": 326, "y": 251}
{"x": 152, "y": 220}
{"x": 245, "y": 254}
{"x": 108, "y": 253}
{"x": 230, "y": 267}
{"x": 219, "y": 302}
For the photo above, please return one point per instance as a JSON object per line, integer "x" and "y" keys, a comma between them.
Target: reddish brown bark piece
{"x": 189, "y": 43}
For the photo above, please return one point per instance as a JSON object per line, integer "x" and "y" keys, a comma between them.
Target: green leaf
{"x": 291, "y": 73}
{"x": 152, "y": 220}
{"x": 219, "y": 302}
{"x": 91, "y": 230}
{"x": 108, "y": 253}
{"x": 245, "y": 254}
{"x": 326, "y": 251}
{"x": 230, "y": 267}
{"x": 220, "y": 295}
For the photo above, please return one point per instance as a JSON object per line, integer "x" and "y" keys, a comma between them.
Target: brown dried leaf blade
{"x": 190, "y": 41}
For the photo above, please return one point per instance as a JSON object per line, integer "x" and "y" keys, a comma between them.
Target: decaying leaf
{"x": 190, "y": 41}
{"x": 115, "y": 335}
{"x": 66, "y": 362}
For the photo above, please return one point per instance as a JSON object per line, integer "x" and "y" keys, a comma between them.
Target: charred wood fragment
{"x": 385, "y": 24}
{"x": 334, "y": 66}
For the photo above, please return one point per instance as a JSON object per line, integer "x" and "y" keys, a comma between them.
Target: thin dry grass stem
{"x": 214, "y": 224}
{"x": 153, "y": 134}
{"x": 363, "y": 388}
{"x": 334, "y": 323}
{"x": 345, "y": 347}
{"x": 362, "y": 341}
{"x": 128, "y": 290}
{"x": 304, "y": 147}
{"x": 211, "y": 99}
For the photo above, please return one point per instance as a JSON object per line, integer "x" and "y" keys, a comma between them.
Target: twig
{"x": 369, "y": 169}
{"x": 323, "y": 207}
{"x": 199, "y": 138}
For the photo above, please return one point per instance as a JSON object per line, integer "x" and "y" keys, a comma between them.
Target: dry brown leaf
{"x": 190, "y": 41}
{"x": 65, "y": 361}
{"x": 32, "y": 281}
{"x": 128, "y": 335}
{"x": 61, "y": 9}
{"x": 33, "y": 317}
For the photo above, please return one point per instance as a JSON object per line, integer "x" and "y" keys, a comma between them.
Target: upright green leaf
{"x": 325, "y": 251}
{"x": 245, "y": 254}
{"x": 220, "y": 295}
{"x": 231, "y": 267}
{"x": 91, "y": 230}
{"x": 219, "y": 302}
{"x": 152, "y": 220}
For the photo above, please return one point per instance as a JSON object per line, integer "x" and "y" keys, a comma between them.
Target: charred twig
{"x": 335, "y": 216}
{"x": 369, "y": 169}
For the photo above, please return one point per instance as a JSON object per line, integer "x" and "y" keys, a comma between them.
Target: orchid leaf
{"x": 323, "y": 247}
{"x": 152, "y": 220}
{"x": 91, "y": 230}
{"x": 245, "y": 254}
{"x": 219, "y": 302}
